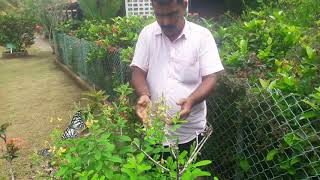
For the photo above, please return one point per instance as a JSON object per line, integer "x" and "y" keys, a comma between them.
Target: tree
{"x": 8, "y": 5}
{"x": 100, "y": 9}
{"x": 46, "y": 12}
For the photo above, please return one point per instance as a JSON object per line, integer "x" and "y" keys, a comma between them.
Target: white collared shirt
{"x": 175, "y": 69}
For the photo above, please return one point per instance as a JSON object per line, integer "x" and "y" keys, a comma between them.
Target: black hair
{"x": 164, "y": 2}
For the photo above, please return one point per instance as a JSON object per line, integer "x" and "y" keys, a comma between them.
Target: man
{"x": 178, "y": 60}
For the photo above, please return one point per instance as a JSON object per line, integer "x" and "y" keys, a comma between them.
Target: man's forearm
{"x": 139, "y": 82}
{"x": 204, "y": 89}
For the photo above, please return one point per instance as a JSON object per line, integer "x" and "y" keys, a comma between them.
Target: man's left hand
{"x": 186, "y": 106}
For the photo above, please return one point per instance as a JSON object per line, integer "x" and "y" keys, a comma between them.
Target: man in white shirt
{"x": 176, "y": 59}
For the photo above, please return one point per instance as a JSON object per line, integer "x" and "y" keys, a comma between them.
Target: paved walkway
{"x": 33, "y": 91}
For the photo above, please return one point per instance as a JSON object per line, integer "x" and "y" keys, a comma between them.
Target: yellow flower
{"x": 61, "y": 151}
{"x": 107, "y": 111}
{"x": 51, "y": 120}
{"x": 90, "y": 122}
{"x": 59, "y": 119}
{"x": 53, "y": 149}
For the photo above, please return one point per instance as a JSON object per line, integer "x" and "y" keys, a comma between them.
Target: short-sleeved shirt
{"x": 175, "y": 69}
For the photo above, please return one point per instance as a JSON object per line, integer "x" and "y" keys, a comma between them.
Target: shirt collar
{"x": 185, "y": 32}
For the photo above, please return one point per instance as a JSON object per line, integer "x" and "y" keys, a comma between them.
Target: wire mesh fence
{"x": 257, "y": 134}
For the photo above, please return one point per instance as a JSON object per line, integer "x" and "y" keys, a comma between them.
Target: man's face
{"x": 170, "y": 17}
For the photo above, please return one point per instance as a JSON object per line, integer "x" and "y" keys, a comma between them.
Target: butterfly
{"x": 76, "y": 125}
{"x": 77, "y": 121}
{"x": 45, "y": 153}
{"x": 70, "y": 133}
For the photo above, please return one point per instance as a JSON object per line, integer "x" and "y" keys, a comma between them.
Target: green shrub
{"x": 272, "y": 46}
{"x": 115, "y": 147}
{"x": 17, "y": 31}
{"x": 109, "y": 37}
{"x": 100, "y": 9}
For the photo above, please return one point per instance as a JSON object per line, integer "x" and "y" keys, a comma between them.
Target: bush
{"x": 270, "y": 46}
{"x": 122, "y": 33}
{"x": 100, "y": 9}
{"x": 18, "y": 31}
{"x": 114, "y": 147}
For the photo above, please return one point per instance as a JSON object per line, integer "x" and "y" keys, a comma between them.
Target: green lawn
{"x": 32, "y": 91}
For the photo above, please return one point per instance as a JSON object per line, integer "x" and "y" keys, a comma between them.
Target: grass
{"x": 33, "y": 90}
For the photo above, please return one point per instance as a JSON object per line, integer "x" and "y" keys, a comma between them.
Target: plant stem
{"x": 199, "y": 146}
{"x": 4, "y": 137}
{"x": 149, "y": 157}
{"x": 11, "y": 170}
{"x": 178, "y": 167}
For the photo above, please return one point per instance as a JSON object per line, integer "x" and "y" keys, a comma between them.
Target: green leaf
{"x": 289, "y": 80}
{"x": 243, "y": 46}
{"x": 99, "y": 166}
{"x": 271, "y": 154}
{"x": 310, "y": 114}
{"x": 95, "y": 177}
{"x": 110, "y": 147}
{"x": 273, "y": 84}
{"x": 97, "y": 155}
{"x": 61, "y": 172}
{"x": 115, "y": 159}
{"x": 182, "y": 155}
{"x": 202, "y": 163}
{"x": 108, "y": 173}
{"x": 310, "y": 52}
{"x": 244, "y": 165}
{"x": 292, "y": 171}
{"x": 285, "y": 165}
{"x": 142, "y": 168}
{"x": 140, "y": 158}
{"x": 131, "y": 173}
{"x": 126, "y": 149}
{"x": 291, "y": 139}
{"x": 294, "y": 161}
{"x": 264, "y": 83}
{"x": 106, "y": 136}
{"x": 125, "y": 138}
{"x": 198, "y": 173}
{"x": 186, "y": 176}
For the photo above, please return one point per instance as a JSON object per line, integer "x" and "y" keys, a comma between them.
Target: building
{"x": 205, "y": 8}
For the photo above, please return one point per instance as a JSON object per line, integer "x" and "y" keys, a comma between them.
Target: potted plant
{"x": 16, "y": 34}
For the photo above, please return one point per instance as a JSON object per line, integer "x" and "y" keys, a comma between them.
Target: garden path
{"x": 33, "y": 91}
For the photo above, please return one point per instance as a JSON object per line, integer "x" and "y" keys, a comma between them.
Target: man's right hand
{"x": 142, "y": 107}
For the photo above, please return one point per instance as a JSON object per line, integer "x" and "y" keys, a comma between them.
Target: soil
{"x": 34, "y": 92}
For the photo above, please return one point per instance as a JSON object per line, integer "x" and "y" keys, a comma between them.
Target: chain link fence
{"x": 257, "y": 134}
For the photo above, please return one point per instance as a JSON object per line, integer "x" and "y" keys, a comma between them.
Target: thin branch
{"x": 177, "y": 161}
{"x": 197, "y": 149}
{"x": 11, "y": 171}
{"x": 4, "y": 137}
{"x": 149, "y": 157}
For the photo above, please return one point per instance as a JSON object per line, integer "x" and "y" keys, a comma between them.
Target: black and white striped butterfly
{"x": 76, "y": 125}
{"x": 70, "y": 133}
{"x": 45, "y": 153}
{"x": 77, "y": 121}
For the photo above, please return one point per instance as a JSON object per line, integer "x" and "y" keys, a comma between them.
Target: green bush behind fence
{"x": 257, "y": 134}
